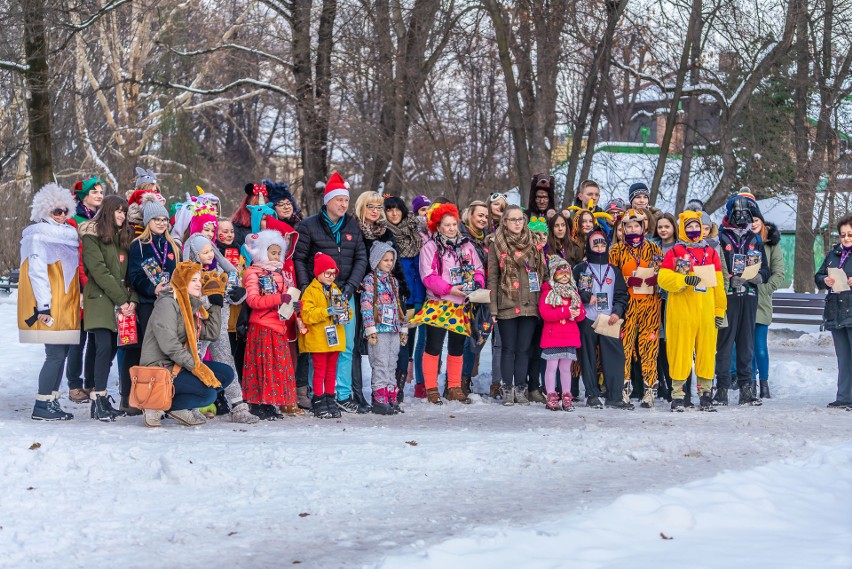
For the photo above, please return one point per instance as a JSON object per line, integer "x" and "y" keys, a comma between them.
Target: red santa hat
{"x": 336, "y": 186}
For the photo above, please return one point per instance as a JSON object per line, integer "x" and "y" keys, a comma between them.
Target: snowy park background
{"x": 451, "y": 486}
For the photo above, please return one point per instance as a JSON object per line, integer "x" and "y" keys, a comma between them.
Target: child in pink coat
{"x": 561, "y": 308}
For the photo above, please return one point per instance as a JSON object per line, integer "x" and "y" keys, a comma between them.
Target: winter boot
{"x": 594, "y": 402}
{"x": 521, "y": 396}
{"x": 553, "y": 402}
{"x": 454, "y": 380}
{"x": 319, "y": 407}
{"x": 509, "y": 396}
{"x": 125, "y": 408}
{"x": 78, "y": 395}
{"x": 456, "y": 394}
{"x": 291, "y": 410}
{"x": 536, "y": 396}
{"x": 187, "y": 417}
{"x": 240, "y": 414}
{"x": 152, "y": 418}
{"x": 394, "y": 398}
{"x": 302, "y": 398}
{"x": 721, "y": 396}
{"x": 333, "y": 405}
{"x": 567, "y": 401}
{"x": 54, "y": 404}
{"x": 677, "y": 406}
{"x": 433, "y": 397}
{"x": 619, "y": 404}
{"x": 419, "y": 391}
{"x": 49, "y": 410}
{"x": 496, "y": 391}
{"x": 648, "y": 398}
{"x": 381, "y": 406}
{"x": 705, "y": 402}
{"x": 101, "y": 408}
{"x": 221, "y": 404}
{"x": 465, "y": 386}
{"x": 401, "y": 378}
{"x": 747, "y": 396}
{"x": 764, "y": 389}
{"x": 348, "y": 405}
{"x": 261, "y": 412}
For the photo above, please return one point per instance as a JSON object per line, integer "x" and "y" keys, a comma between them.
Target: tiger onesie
{"x": 641, "y": 330}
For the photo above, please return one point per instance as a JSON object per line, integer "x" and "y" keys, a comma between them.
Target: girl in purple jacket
{"x": 561, "y": 308}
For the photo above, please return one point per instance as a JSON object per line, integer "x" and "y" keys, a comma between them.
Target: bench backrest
{"x": 797, "y": 308}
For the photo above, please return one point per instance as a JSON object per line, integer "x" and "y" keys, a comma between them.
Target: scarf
{"x": 271, "y": 266}
{"x": 373, "y": 231}
{"x": 452, "y": 246}
{"x": 407, "y": 236}
{"x": 514, "y": 252}
{"x": 334, "y": 226}
{"x": 561, "y": 294}
{"x": 85, "y": 212}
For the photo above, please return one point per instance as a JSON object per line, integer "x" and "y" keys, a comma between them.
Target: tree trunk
{"x": 803, "y": 273}
{"x": 691, "y": 119}
{"x": 38, "y": 103}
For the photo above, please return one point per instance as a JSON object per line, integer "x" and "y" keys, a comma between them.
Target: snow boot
{"x": 648, "y": 398}
{"x": 677, "y": 406}
{"x": 433, "y": 397}
{"x": 78, "y": 395}
{"x": 705, "y": 402}
{"x": 319, "y": 408}
{"x": 567, "y": 401}
{"x": 747, "y": 396}
{"x": 125, "y": 408}
{"x": 152, "y": 418}
{"x": 401, "y": 378}
{"x": 839, "y": 405}
{"x": 536, "y": 396}
{"x": 594, "y": 402}
{"x": 260, "y": 412}
{"x": 333, "y": 405}
{"x": 508, "y": 396}
{"x": 619, "y": 404}
{"x": 520, "y": 395}
{"x": 187, "y": 417}
{"x": 302, "y": 398}
{"x": 553, "y": 402}
{"x": 49, "y": 410}
{"x": 381, "y": 405}
{"x": 457, "y": 394}
{"x": 465, "y": 386}
{"x": 764, "y": 389}
{"x": 496, "y": 391}
{"x": 721, "y": 396}
{"x": 394, "y": 398}
{"x": 419, "y": 391}
{"x": 101, "y": 409}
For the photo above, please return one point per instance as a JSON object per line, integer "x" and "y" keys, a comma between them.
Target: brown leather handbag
{"x": 152, "y": 387}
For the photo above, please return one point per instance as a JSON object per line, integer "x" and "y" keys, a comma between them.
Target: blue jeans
{"x": 344, "y": 361}
{"x": 760, "y": 360}
{"x": 191, "y": 393}
{"x": 469, "y": 358}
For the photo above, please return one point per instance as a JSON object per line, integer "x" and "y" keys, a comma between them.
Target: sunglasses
{"x": 845, "y": 235}
{"x": 59, "y": 211}
{"x": 497, "y": 196}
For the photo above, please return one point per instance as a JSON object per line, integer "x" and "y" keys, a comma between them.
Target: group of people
{"x": 266, "y": 314}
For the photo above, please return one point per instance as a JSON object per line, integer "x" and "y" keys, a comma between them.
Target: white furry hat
{"x": 258, "y": 243}
{"x": 50, "y": 197}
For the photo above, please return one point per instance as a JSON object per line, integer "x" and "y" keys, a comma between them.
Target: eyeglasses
{"x": 497, "y": 196}
{"x": 374, "y": 207}
{"x": 162, "y": 220}
{"x": 845, "y": 235}
{"x": 330, "y": 274}
{"x": 515, "y": 220}
{"x": 59, "y": 211}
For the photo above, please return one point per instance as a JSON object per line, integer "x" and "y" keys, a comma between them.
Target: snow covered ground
{"x": 478, "y": 485}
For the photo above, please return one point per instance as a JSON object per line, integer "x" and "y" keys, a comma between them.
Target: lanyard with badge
{"x": 601, "y": 298}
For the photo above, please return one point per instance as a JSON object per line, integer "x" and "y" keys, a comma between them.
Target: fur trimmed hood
{"x": 50, "y": 197}
{"x": 773, "y": 236}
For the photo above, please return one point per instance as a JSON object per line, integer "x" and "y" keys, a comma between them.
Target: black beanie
{"x": 635, "y": 190}
{"x": 592, "y": 256}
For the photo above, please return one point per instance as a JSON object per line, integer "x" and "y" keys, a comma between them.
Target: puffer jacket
{"x": 560, "y": 329}
{"x": 350, "y": 256}
{"x": 838, "y": 305}
{"x": 165, "y": 336}
{"x": 436, "y": 272}
{"x": 776, "y": 275}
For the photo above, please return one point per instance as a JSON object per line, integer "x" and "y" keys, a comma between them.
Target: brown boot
{"x": 78, "y": 395}
{"x": 433, "y": 397}
{"x": 495, "y": 391}
{"x": 466, "y": 384}
{"x": 291, "y": 410}
{"x": 456, "y": 394}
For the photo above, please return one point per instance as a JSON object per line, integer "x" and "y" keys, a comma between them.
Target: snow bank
{"x": 785, "y": 514}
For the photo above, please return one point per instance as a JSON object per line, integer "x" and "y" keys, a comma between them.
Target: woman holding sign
{"x": 516, "y": 271}
{"x": 692, "y": 275}
{"x": 836, "y": 267}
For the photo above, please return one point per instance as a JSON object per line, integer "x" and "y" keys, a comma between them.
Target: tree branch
{"x": 238, "y": 47}
{"x": 225, "y": 88}
{"x": 12, "y": 66}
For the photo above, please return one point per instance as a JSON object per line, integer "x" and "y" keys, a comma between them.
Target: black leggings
{"x": 105, "y": 347}
{"x": 517, "y": 335}
{"x": 435, "y": 342}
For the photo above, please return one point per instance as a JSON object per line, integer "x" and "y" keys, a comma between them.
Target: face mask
{"x": 693, "y": 234}
{"x": 634, "y": 240}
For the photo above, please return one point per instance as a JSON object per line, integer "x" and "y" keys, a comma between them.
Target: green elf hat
{"x": 83, "y": 187}
{"x": 538, "y": 225}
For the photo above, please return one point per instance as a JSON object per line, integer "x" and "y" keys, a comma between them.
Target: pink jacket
{"x": 438, "y": 285}
{"x": 264, "y": 308}
{"x": 560, "y": 330}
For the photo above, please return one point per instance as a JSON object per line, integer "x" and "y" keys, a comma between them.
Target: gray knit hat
{"x": 196, "y": 243}
{"x": 151, "y": 208}
{"x": 378, "y": 250}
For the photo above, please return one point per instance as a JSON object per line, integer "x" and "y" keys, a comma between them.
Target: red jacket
{"x": 264, "y": 308}
{"x": 560, "y": 330}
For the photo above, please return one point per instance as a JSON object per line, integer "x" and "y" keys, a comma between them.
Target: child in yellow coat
{"x": 324, "y": 311}
{"x": 694, "y": 310}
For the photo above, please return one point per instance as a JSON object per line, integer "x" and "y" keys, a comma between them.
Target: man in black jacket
{"x": 741, "y": 248}
{"x": 336, "y": 233}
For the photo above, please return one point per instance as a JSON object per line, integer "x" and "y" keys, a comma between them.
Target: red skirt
{"x": 268, "y": 375}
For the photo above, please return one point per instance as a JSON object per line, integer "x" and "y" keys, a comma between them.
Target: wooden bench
{"x": 797, "y": 308}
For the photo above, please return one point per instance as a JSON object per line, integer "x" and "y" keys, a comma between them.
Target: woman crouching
{"x": 177, "y": 323}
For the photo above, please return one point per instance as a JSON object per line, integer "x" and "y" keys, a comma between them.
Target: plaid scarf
{"x": 407, "y": 236}
{"x": 514, "y": 252}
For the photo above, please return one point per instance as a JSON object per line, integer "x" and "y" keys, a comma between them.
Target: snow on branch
{"x": 12, "y": 66}
{"x": 235, "y": 46}
{"x": 697, "y": 89}
{"x": 97, "y": 15}
{"x": 233, "y": 84}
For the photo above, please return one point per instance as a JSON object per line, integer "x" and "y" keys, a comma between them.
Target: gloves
{"x": 237, "y": 293}
{"x": 348, "y": 291}
{"x": 719, "y": 321}
{"x": 738, "y": 282}
{"x": 297, "y": 306}
{"x": 634, "y": 281}
{"x": 285, "y": 298}
{"x": 651, "y": 281}
{"x": 756, "y": 280}
{"x": 692, "y": 280}
{"x": 216, "y": 300}
{"x": 373, "y": 339}
{"x": 586, "y": 296}
{"x": 213, "y": 282}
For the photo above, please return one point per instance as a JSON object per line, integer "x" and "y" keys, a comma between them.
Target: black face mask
{"x": 592, "y": 256}
{"x": 740, "y": 215}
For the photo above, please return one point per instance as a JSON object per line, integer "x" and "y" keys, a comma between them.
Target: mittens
{"x": 213, "y": 282}
{"x": 634, "y": 281}
{"x": 651, "y": 281}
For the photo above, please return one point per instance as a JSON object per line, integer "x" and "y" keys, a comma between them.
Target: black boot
{"x": 50, "y": 411}
{"x": 102, "y": 410}
{"x": 721, "y": 396}
{"x": 332, "y": 405}
{"x": 677, "y": 406}
{"x": 401, "y": 377}
{"x": 747, "y": 394}
{"x": 706, "y": 402}
{"x": 320, "y": 408}
{"x": 222, "y": 406}
{"x": 764, "y": 389}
